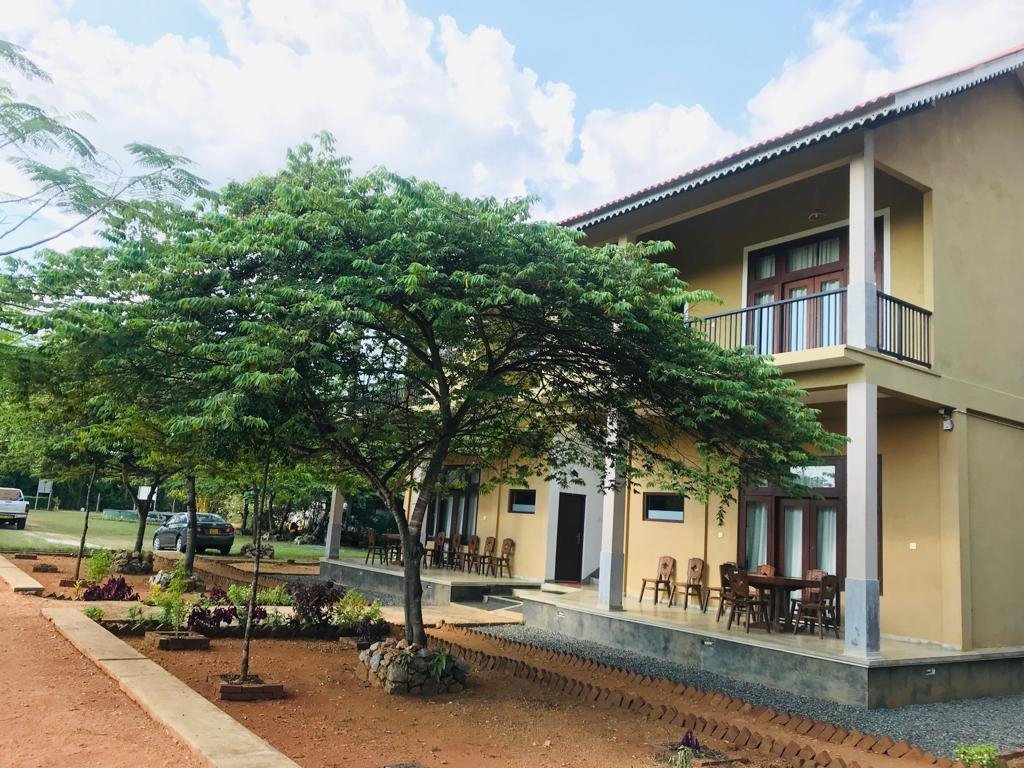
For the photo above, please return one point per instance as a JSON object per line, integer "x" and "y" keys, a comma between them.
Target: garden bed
{"x": 330, "y": 718}
{"x": 124, "y": 628}
{"x": 65, "y": 566}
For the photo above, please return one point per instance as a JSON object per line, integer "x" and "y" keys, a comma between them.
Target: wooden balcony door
{"x": 814, "y": 323}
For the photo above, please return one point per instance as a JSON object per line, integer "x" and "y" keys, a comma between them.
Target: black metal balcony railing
{"x": 807, "y": 322}
{"x": 819, "y": 320}
{"x": 904, "y": 330}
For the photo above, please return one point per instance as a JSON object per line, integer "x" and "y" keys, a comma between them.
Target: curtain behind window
{"x": 827, "y": 517}
{"x": 757, "y": 534}
{"x": 812, "y": 254}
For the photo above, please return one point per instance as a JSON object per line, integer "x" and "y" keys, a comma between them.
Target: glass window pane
{"x": 757, "y": 534}
{"x": 816, "y": 476}
{"x": 764, "y": 266}
{"x": 663, "y": 506}
{"x": 792, "y": 541}
{"x": 523, "y": 501}
{"x": 763, "y": 324}
{"x": 812, "y": 254}
{"x": 827, "y": 517}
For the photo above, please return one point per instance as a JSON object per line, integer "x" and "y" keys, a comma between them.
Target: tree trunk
{"x": 411, "y": 556}
{"x": 251, "y": 607}
{"x": 193, "y": 522}
{"x": 245, "y": 513}
{"x": 143, "y": 508}
{"x": 85, "y": 525}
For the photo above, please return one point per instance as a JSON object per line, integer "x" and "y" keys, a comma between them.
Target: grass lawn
{"x": 60, "y": 531}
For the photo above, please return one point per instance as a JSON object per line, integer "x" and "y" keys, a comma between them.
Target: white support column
{"x": 613, "y": 539}
{"x": 862, "y": 610}
{"x": 861, "y": 302}
{"x": 336, "y": 513}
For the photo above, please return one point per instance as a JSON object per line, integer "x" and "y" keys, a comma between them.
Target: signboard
{"x": 45, "y": 486}
{"x": 144, "y": 494}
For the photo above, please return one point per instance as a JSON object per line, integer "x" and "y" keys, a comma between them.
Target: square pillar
{"x": 610, "y": 582}
{"x": 336, "y": 513}
{"x": 862, "y": 605}
{"x": 861, "y": 301}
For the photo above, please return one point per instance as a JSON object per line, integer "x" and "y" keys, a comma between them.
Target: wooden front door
{"x": 569, "y": 537}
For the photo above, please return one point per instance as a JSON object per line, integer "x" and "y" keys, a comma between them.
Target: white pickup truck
{"x": 13, "y": 507}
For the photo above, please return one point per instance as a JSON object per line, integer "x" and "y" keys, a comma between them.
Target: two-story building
{"x": 876, "y": 256}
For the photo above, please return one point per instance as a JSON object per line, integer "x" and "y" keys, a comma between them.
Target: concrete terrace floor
{"x": 892, "y": 651}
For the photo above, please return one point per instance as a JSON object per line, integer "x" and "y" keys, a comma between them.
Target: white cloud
{"x": 926, "y": 39}
{"x": 432, "y": 99}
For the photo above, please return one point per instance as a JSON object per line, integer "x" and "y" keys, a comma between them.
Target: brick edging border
{"x": 669, "y": 701}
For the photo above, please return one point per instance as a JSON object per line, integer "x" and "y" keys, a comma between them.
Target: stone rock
{"x": 249, "y": 550}
{"x": 398, "y": 674}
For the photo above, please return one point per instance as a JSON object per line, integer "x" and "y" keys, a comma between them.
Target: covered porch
{"x": 900, "y": 672}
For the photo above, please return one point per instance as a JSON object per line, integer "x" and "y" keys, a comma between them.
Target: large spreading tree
{"x": 387, "y": 327}
{"x": 405, "y": 325}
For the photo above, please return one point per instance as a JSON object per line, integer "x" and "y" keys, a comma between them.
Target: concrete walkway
{"x": 17, "y": 579}
{"x": 208, "y": 731}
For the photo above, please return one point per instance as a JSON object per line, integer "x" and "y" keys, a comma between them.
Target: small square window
{"x": 522, "y": 501}
{"x": 666, "y": 507}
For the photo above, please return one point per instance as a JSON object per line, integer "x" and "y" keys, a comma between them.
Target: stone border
{"x": 798, "y": 741}
{"x": 19, "y": 581}
{"x": 208, "y": 731}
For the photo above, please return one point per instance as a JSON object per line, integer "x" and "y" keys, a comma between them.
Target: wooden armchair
{"x": 433, "y": 555}
{"x": 374, "y": 550}
{"x": 694, "y": 585}
{"x": 744, "y": 604}
{"x": 820, "y": 608}
{"x": 501, "y": 565}
{"x": 664, "y": 578}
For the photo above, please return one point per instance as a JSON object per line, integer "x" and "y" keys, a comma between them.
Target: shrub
{"x": 94, "y": 612}
{"x": 314, "y": 604}
{"x": 238, "y": 595}
{"x": 681, "y": 759}
{"x": 173, "y": 607}
{"x": 134, "y": 614}
{"x": 203, "y": 619}
{"x": 985, "y": 755}
{"x": 353, "y": 608}
{"x": 372, "y": 630}
{"x": 113, "y": 589}
{"x": 99, "y": 565}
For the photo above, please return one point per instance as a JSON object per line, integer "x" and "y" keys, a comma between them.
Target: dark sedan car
{"x": 213, "y": 532}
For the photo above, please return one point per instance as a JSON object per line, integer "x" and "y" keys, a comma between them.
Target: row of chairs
{"x": 443, "y": 553}
{"x": 817, "y": 606}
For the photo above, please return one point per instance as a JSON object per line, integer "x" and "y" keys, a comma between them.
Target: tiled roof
{"x": 883, "y": 107}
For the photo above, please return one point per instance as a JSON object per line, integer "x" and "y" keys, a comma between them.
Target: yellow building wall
{"x": 995, "y": 461}
{"x": 529, "y": 532}
{"x": 967, "y": 152}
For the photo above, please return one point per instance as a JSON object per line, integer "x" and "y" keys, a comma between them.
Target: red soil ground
{"x": 60, "y": 710}
{"x": 333, "y": 719}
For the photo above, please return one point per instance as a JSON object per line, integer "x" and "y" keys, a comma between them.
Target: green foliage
{"x": 353, "y": 608}
{"x": 78, "y": 589}
{"x": 99, "y": 565}
{"x": 682, "y": 758}
{"x": 275, "y": 619}
{"x": 983, "y": 755}
{"x": 239, "y": 595}
{"x": 440, "y": 663}
{"x": 173, "y": 606}
{"x": 94, "y": 612}
{"x": 134, "y": 614}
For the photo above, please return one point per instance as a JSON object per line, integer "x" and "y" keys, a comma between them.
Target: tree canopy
{"x": 387, "y": 325}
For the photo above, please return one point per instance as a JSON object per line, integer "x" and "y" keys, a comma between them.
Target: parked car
{"x": 13, "y": 507}
{"x": 212, "y": 532}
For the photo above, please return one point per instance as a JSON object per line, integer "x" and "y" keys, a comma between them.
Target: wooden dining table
{"x": 781, "y": 589}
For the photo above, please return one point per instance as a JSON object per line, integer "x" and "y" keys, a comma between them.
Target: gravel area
{"x": 936, "y": 727}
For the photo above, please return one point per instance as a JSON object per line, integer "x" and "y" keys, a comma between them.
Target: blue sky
{"x": 573, "y": 101}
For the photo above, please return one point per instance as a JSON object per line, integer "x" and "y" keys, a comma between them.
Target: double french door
{"x": 794, "y": 535}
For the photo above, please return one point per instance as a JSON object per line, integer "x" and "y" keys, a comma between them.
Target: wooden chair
{"x": 722, "y": 593}
{"x": 433, "y": 555}
{"x": 501, "y": 565}
{"x": 466, "y": 561}
{"x": 454, "y": 559}
{"x": 763, "y": 570}
{"x": 820, "y": 608}
{"x": 483, "y": 560}
{"x": 664, "y": 578}
{"x": 375, "y": 550}
{"x": 744, "y": 603}
{"x": 694, "y": 585}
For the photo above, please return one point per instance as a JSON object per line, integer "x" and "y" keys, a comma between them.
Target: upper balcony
{"x": 817, "y": 321}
